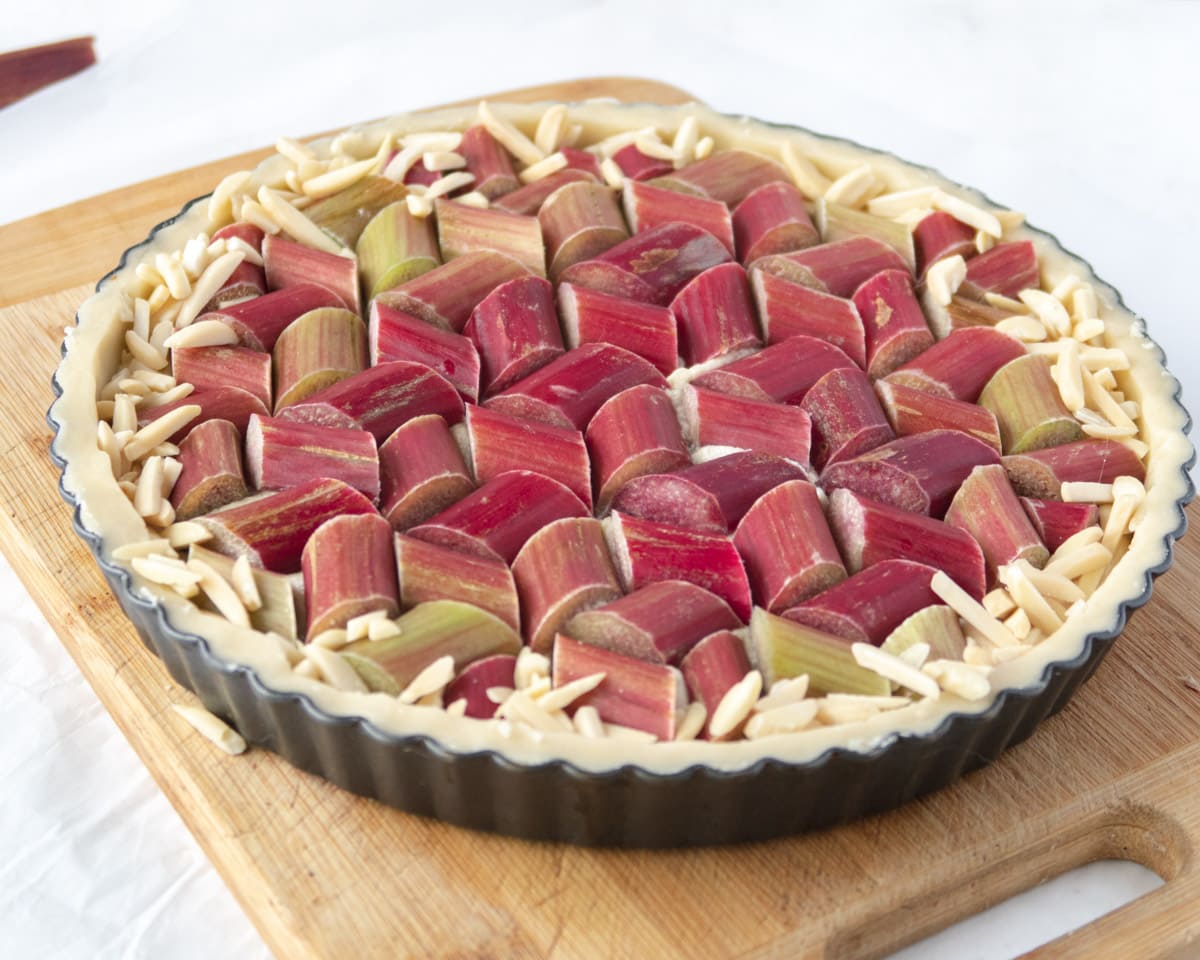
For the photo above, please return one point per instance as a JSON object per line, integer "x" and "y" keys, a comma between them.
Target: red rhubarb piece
{"x": 429, "y": 571}
{"x": 938, "y": 236}
{"x": 248, "y": 279}
{"x": 772, "y": 219}
{"x": 516, "y": 330}
{"x": 216, "y": 403}
{"x": 446, "y": 295}
{"x": 961, "y": 365}
{"x": 348, "y": 571}
{"x": 1006, "y": 269}
{"x": 211, "y": 475}
{"x": 579, "y": 221}
{"x": 893, "y": 323}
{"x": 282, "y": 454}
{"x": 987, "y": 508}
{"x": 723, "y": 420}
{"x": 476, "y": 679}
{"x": 528, "y": 200}
{"x": 1056, "y": 522}
{"x": 781, "y": 373}
{"x": 590, "y": 316}
{"x": 488, "y": 161}
{"x": 712, "y": 668}
{"x": 259, "y": 322}
{"x": 395, "y": 335}
{"x": 248, "y": 233}
{"x": 714, "y": 315}
{"x": 727, "y": 175}
{"x": 250, "y": 370}
{"x": 790, "y": 310}
{"x": 422, "y": 472}
{"x": 581, "y": 160}
{"x": 647, "y": 207}
{"x": 846, "y": 417}
{"x": 1041, "y": 473}
{"x": 288, "y": 263}
{"x": 465, "y": 229}
{"x": 917, "y": 411}
{"x": 420, "y": 175}
{"x": 635, "y": 165}
{"x": 837, "y": 268}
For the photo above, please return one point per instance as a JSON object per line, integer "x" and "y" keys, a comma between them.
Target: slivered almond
{"x": 1084, "y": 304}
{"x": 551, "y": 129}
{"x": 894, "y": 669}
{"x": 704, "y": 146}
{"x": 559, "y": 698}
{"x": 1098, "y": 396}
{"x": 295, "y": 223}
{"x": 430, "y": 680}
{"x": 335, "y": 671}
{"x": 892, "y": 205}
{"x": 159, "y": 297}
{"x": 736, "y": 705}
{"x": 383, "y": 628}
{"x": 177, "y": 392}
{"x": 1019, "y": 624}
{"x": 256, "y": 214}
{"x": 209, "y": 282}
{"x": 530, "y": 666}
{"x": 154, "y": 547}
{"x": 249, "y": 254}
{"x": 158, "y": 431}
{"x": 1048, "y": 309}
{"x": 943, "y": 279}
{"x": 790, "y": 718}
{"x": 983, "y": 241}
{"x": 968, "y": 213}
{"x": 294, "y": 150}
{"x": 154, "y": 379}
{"x": 241, "y": 577}
{"x": 356, "y": 627}
{"x": 1084, "y": 491}
{"x": 166, "y": 571}
{"x": 474, "y": 199}
{"x": 498, "y": 694}
{"x": 612, "y": 172}
{"x": 144, "y": 352}
{"x": 649, "y": 143}
{"x": 619, "y": 732}
{"x": 916, "y": 655}
{"x": 219, "y": 208}
{"x": 187, "y": 532}
{"x": 173, "y": 274}
{"x": 1051, "y": 585}
{"x": 448, "y": 184}
{"x": 1087, "y": 330}
{"x": 691, "y": 722}
{"x": 1028, "y": 329}
{"x": 1005, "y": 303}
{"x": 588, "y": 723}
{"x": 206, "y": 333}
{"x": 147, "y": 500}
{"x": 520, "y": 706}
{"x": 785, "y": 691}
{"x": 124, "y": 413}
{"x": 458, "y": 708}
{"x": 195, "y": 255}
{"x": 961, "y": 679}
{"x": 219, "y": 591}
{"x": 1029, "y": 598}
{"x": 684, "y": 143}
{"x": 212, "y": 728}
{"x": 327, "y": 184}
{"x": 440, "y": 160}
{"x": 853, "y": 188}
{"x": 1067, "y": 373}
{"x": 543, "y": 168}
{"x": 509, "y": 137}
{"x": 333, "y": 639}
{"x": 974, "y": 613}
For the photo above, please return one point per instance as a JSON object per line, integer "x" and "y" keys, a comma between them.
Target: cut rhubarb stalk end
{"x": 634, "y": 693}
{"x": 714, "y": 315}
{"x": 1028, "y": 406}
{"x": 216, "y": 403}
{"x": 579, "y": 221}
{"x": 713, "y": 495}
{"x": 500, "y": 443}
{"x": 644, "y": 329}
{"x": 446, "y": 295}
{"x": 277, "y": 611}
{"x": 633, "y": 434}
{"x": 528, "y": 200}
{"x": 248, "y": 233}
{"x": 288, "y": 263}
{"x": 960, "y": 366}
{"x": 646, "y": 552}
{"x": 516, "y": 330}
{"x": 1056, "y": 522}
{"x": 837, "y": 222}
{"x": 316, "y": 350}
{"x": 1041, "y": 473}
{"x": 428, "y": 632}
{"x": 787, "y": 547}
{"x": 582, "y": 161}
{"x": 568, "y": 391}
{"x": 476, "y": 679}
{"x": 496, "y": 520}
{"x": 647, "y": 207}
{"x": 463, "y": 230}
{"x": 790, "y": 310}
{"x": 913, "y": 411}
{"x": 635, "y": 165}
{"x": 395, "y": 335}
{"x": 837, "y": 268}
{"x": 711, "y": 669}
{"x": 282, "y": 454}
{"x": 345, "y": 214}
{"x": 920, "y": 473}
{"x": 1006, "y": 269}
{"x": 651, "y": 266}
{"x": 488, "y": 162}
{"x": 211, "y": 474}
{"x": 562, "y": 570}
{"x": 772, "y": 219}
{"x": 936, "y": 626}
{"x": 348, "y": 570}
{"x": 658, "y": 623}
{"x": 241, "y": 367}
{"x": 782, "y": 373}
{"x": 893, "y": 323}
{"x": 961, "y": 312}
{"x": 782, "y": 649}
{"x": 259, "y": 322}
{"x": 728, "y": 176}
{"x": 987, "y": 508}
{"x": 719, "y": 419}
{"x": 380, "y": 399}
{"x": 248, "y": 279}
{"x": 937, "y": 236}
{"x": 427, "y": 571}
{"x": 394, "y": 248}
{"x": 846, "y": 417}
{"x": 869, "y": 532}
{"x": 422, "y": 472}
{"x": 869, "y": 605}
{"x": 273, "y": 530}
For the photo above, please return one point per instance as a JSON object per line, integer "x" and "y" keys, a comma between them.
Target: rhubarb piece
{"x": 647, "y": 207}
{"x": 582, "y": 161}
{"x": 635, "y": 165}
{"x": 345, "y": 214}
{"x": 463, "y": 230}
{"x": 790, "y": 310}
{"x": 516, "y": 330}
{"x": 632, "y": 434}
{"x": 787, "y": 547}
{"x": 272, "y": 530}
{"x": 528, "y": 200}
{"x": 216, "y": 403}
{"x": 1041, "y": 473}
{"x": 714, "y": 315}
{"x": 288, "y": 263}
{"x": 1056, "y": 522}
{"x": 651, "y": 266}
{"x": 868, "y": 606}
{"x": 29, "y": 69}
{"x": 869, "y": 532}
{"x": 837, "y": 222}
{"x": 562, "y": 570}
{"x": 395, "y": 335}
{"x": 647, "y": 551}
{"x": 259, "y": 322}
{"x": 892, "y": 320}
{"x": 1006, "y": 269}
{"x": 427, "y": 571}
{"x": 713, "y": 495}
{"x": 282, "y": 454}
{"x": 961, "y": 312}
{"x": 936, "y": 626}
{"x": 379, "y": 399}
{"x": 920, "y": 473}
{"x": 569, "y": 390}
{"x": 446, "y": 295}
{"x": 579, "y": 221}
{"x": 248, "y": 279}
{"x": 497, "y": 519}
{"x": 488, "y": 162}
{"x": 987, "y": 508}
{"x": 728, "y": 176}
{"x": 915, "y": 411}
{"x": 348, "y": 570}
{"x": 476, "y": 679}
{"x": 720, "y": 419}
{"x": 590, "y": 316}
{"x": 422, "y": 472}
{"x": 316, "y": 350}
{"x": 961, "y": 365}
{"x": 837, "y": 268}
{"x": 500, "y": 443}
{"x": 659, "y": 623}
{"x": 712, "y": 668}
{"x": 1028, "y": 406}
{"x": 937, "y": 236}
{"x": 634, "y": 693}
{"x": 428, "y": 632}
{"x": 772, "y": 219}
{"x": 420, "y": 175}
{"x": 846, "y": 417}
{"x": 211, "y": 475}
{"x": 782, "y": 649}
{"x": 277, "y": 611}
{"x": 394, "y": 248}
{"x": 241, "y": 367}
{"x": 781, "y": 373}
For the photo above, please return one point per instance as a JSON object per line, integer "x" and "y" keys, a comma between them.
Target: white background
{"x": 1082, "y": 115}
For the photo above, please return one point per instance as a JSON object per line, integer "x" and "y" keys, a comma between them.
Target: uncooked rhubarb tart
{"x": 618, "y": 474}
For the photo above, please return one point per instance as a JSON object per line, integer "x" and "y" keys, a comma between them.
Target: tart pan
{"x": 627, "y": 805}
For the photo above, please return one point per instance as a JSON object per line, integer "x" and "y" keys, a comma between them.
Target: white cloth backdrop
{"x": 1080, "y": 114}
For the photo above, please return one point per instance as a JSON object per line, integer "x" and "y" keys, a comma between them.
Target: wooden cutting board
{"x": 324, "y": 874}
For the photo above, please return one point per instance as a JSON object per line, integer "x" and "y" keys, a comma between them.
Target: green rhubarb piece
{"x": 783, "y": 649}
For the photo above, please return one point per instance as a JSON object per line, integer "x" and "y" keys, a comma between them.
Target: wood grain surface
{"x": 324, "y": 874}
